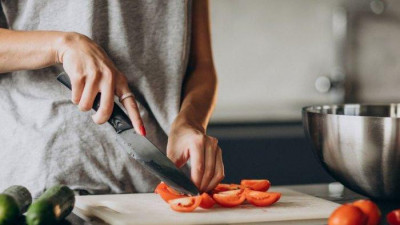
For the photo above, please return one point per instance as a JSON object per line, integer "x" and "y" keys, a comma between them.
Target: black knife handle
{"x": 118, "y": 119}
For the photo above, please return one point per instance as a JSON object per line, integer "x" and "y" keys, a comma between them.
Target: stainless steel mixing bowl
{"x": 359, "y": 145}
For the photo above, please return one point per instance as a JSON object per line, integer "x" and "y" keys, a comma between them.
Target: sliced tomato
{"x": 256, "y": 185}
{"x": 393, "y": 218}
{"x": 261, "y": 198}
{"x": 168, "y": 193}
{"x": 206, "y": 201}
{"x": 186, "y": 204}
{"x": 226, "y": 187}
{"x": 230, "y": 198}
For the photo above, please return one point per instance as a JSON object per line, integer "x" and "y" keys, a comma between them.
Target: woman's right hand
{"x": 91, "y": 72}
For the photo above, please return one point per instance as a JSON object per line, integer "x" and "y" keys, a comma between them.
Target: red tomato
{"x": 370, "y": 209}
{"x": 348, "y": 215}
{"x": 261, "y": 198}
{"x": 226, "y": 187}
{"x": 393, "y": 218}
{"x": 206, "y": 201}
{"x": 186, "y": 204}
{"x": 230, "y": 198}
{"x": 167, "y": 193}
{"x": 256, "y": 185}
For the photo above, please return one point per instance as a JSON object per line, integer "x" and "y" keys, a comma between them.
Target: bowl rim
{"x": 306, "y": 109}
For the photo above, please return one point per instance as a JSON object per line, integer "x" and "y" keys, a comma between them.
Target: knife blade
{"x": 141, "y": 149}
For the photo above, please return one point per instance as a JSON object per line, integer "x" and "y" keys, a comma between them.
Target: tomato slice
{"x": 230, "y": 198}
{"x": 226, "y": 187}
{"x": 186, "y": 204}
{"x": 168, "y": 193}
{"x": 393, "y": 218}
{"x": 370, "y": 209}
{"x": 206, "y": 201}
{"x": 261, "y": 198}
{"x": 256, "y": 185}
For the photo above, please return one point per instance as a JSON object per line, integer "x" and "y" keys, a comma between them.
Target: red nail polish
{"x": 143, "y": 130}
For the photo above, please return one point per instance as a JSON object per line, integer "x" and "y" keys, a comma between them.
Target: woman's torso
{"x": 45, "y": 139}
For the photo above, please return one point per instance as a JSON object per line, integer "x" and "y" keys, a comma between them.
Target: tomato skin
{"x": 348, "y": 215}
{"x": 186, "y": 204}
{"x": 226, "y": 187}
{"x": 230, "y": 198}
{"x": 370, "y": 209}
{"x": 206, "y": 201}
{"x": 393, "y": 218}
{"x": 167, "y": 193}
{"x": 261, "y": 198}
{"x": 256, "y": 185}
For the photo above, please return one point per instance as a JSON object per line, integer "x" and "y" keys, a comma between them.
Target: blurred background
{"x": 274, "y": 57}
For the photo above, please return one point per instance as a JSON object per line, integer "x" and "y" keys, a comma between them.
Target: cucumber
{"x": 13, "y": 203}
{"x": 53, "y": 206}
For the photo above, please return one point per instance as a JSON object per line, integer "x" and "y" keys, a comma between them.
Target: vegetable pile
{"x": 225, "y": 195}
{"x": 361, "y": 212}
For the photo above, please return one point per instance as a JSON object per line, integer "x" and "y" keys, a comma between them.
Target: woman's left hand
{"x": 207, "y": 168}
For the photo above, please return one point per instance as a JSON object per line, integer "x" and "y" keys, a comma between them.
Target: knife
{"x": 141, "y": 149}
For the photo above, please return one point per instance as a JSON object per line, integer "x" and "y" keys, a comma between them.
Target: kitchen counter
{"x": 332, "y": 192}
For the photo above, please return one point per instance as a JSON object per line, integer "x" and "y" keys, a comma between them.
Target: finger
{"x": 219, "y": 173}
{"x": 106, "y": 103}
{"x": 197, "y": 163}
{"x": 89, "y": 94}
{"x": 209, "y": 164}
{"x": 133, "y": 111}
{"x": 77, "y": 86}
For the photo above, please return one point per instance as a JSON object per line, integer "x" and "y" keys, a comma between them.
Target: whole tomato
{"x": 393, "y": 218}
{"x": 348, "y": 215}
{"x": 370, "y": 209}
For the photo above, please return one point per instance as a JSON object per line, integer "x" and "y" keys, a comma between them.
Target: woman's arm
{"x": 200, "y": 87}
{"x": 27, "y": 50}
{"x": 188, "y": 137}
{"x": 86, "y": 63}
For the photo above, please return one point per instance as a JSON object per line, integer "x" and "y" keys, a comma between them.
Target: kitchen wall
{"x": 269, "y": 53}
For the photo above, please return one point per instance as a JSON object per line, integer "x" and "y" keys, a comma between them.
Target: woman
{"x": 155, "y": 56}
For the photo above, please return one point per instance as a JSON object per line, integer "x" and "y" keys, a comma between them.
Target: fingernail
{"x": 143, "y": 130}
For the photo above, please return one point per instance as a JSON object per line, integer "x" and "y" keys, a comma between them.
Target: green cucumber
{"x": 53, "y": 206}
{"x": 13, "y": 203}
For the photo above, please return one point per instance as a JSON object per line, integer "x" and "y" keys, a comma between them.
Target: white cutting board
{"x": 129, "y": 209}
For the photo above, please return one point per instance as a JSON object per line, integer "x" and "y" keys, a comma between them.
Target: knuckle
{"x": 84, "y": 106}
{"x": 99, "y": 121}
{"x": 122, "y": 79}
{"x": 102, "y": 117}
{"x": 108, "y": 76}
{"x": 79, "y": 79}
{"x": 105, "y": 112}
{"x": 214, "y": 140}
{"x": 94, "y": 76}
{"x": 75, "y": 100}
{"x": 208, "y": 175}
{"x": 200, "y": 168}
{"x": 220, "y": 176}
{"x": 199, "y": 140}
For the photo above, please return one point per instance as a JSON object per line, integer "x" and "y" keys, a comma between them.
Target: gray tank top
{"x": 45, "y": 139}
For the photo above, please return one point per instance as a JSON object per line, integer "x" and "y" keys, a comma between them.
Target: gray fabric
{"x": 3, "y": 22}
{"x": 45, "y": 139}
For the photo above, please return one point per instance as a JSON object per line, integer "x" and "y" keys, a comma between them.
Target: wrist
{"x": 62, "y": 43}
{"x": 183, "y": 121}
